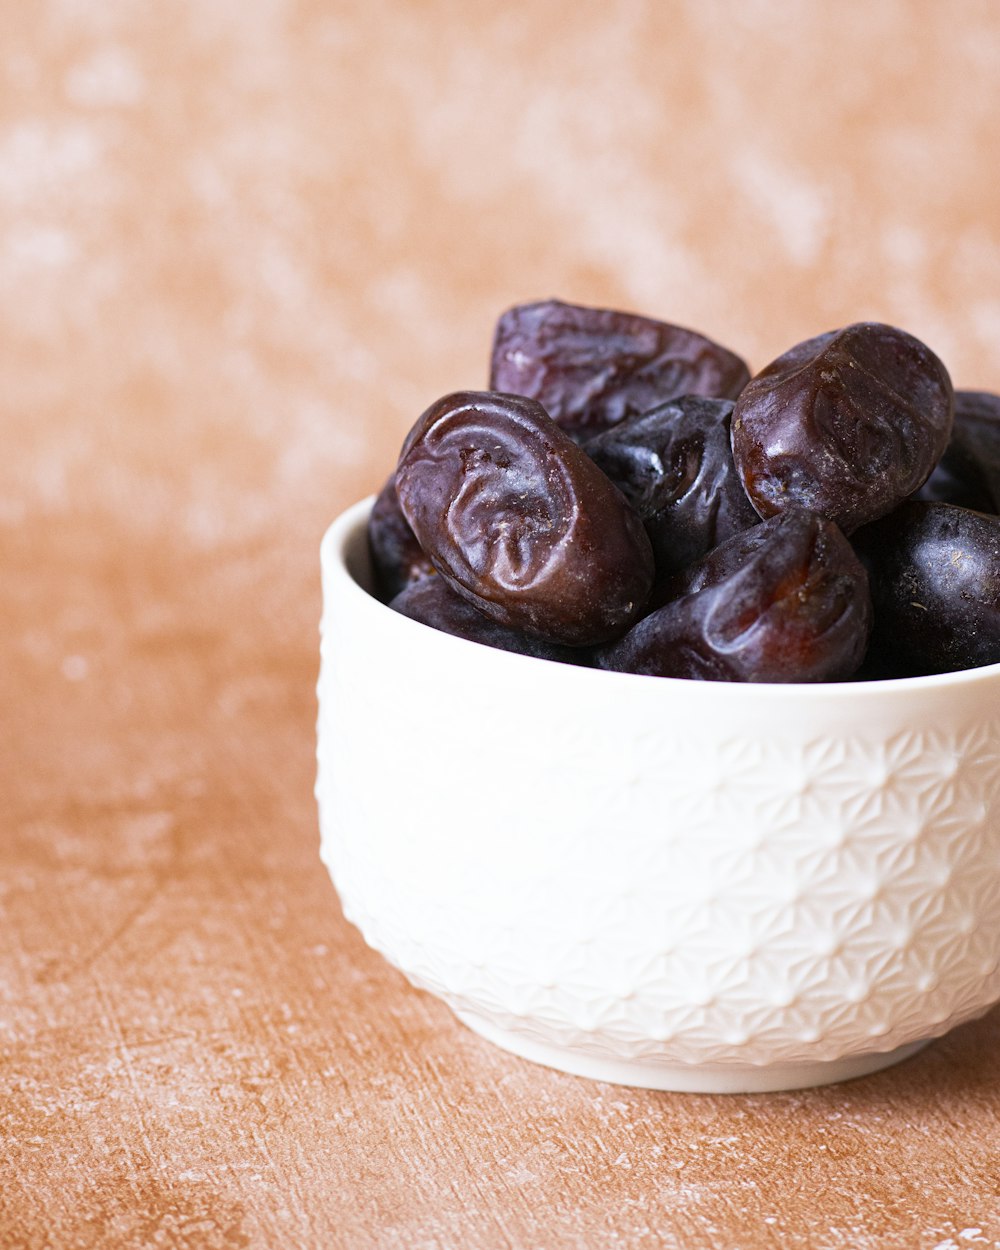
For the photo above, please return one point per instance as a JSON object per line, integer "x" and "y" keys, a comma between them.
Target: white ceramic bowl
{"x": 680, "y": 885}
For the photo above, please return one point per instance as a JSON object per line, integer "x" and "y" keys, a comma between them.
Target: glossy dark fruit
{"x": 591, "y": 367}
{"x": 398, "y": 560}
{"x": 675, "y": 466}
{"x": 786, "y": 601}
{"x": 521, "y": 522}
{"x": 432, "y": 602}
{"x": 847, "y": 424}
{"x": 935, "y": 578}
{"x": 884, "y": 665}
{"x": 968, "y": 473}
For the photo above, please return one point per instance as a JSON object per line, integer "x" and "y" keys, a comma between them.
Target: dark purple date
{"x": 398, "y": 560}
{"x": 675, "y": 467}
{"x": 786, "y": 601}
{"x": 592, "y": 367}
{"x": 521, "y": 522}
{"x": 432, "y": 602}
{"x": 968, "y": 473}
{"x": 847, "y": 425}
{"x": 935, "y": 578}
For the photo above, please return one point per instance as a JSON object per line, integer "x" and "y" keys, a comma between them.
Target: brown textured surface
{"x": 241, "y": 247}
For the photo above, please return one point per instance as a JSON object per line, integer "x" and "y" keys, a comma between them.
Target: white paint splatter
{"x": 799, "y": 210}
{"x": 36, "y": 155}
{"x": 29, "y": 247}
{"x": 75, "y": 667}
{"x": 109, "y": 78}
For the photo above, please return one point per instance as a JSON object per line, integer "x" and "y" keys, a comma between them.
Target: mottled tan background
{"x": 242, "y": 244}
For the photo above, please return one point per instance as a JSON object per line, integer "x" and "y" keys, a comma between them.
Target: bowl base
{"x": 691, "y": 1078}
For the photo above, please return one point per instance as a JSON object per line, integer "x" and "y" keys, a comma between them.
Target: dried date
{"x": 398, "y": 560}
{"x": 432, "y": 602}
{"x": 786, "y": 601}
{"x": 521, "y": 522}
{"x": 847, "y": 424}
{"x": 675, "y": 467}
{"x": 935, "y": 578}
{"x": 968, "y": 473}
{"x": 591, "y": 368}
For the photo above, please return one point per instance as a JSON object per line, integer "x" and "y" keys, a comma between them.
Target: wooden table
{"x": 241, "y": 247}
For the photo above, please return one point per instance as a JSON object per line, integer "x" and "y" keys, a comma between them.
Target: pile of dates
{"x": 626, "y": 496}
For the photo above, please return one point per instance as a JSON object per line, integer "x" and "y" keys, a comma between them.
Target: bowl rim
{"x": 347, "y": 529}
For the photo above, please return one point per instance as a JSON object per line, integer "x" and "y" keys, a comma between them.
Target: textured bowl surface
{"x": 682, "y": 885}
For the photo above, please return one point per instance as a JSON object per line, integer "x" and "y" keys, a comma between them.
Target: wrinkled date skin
{"x": 398, "y": 560}
{"x": 935, "y": 578}
{"x": 786, "y": 601}
{"x": 432, "y": 602}
{"x": 592, "y": 367}
{"x": 675, "y": 467}
{"x": 521, "y": 522}
{"x": 969, "y": 471}
{"x": 847, "y": 425}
